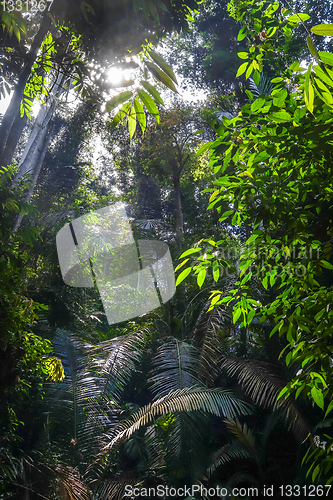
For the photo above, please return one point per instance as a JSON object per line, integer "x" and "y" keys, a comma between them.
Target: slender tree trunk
{"x": 35, "y": 150}
{"x": 13, "y": 139}
{"x": 178, "y": 209}
{"x": 35, "y": 142}
{"x": 40, "y": 153}
{"x": 13, "y": 110}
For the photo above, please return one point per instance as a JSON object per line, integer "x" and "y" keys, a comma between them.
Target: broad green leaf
{"x": 204, "y": 148}
{"x": 120, "y": 115}
{"x": 280, "y": 116}
{"x": 189, "y": 252}
{"x": 131, "y": 117}
{"x": 326, "y": 57}
{"x": 118, "y": 99}
{"x": 249, "y": 71}
{"x": 152, "y": 91}
{"x": 140, "y": 114}
{"x": 160, "y": 76}
{"x": 243, "y": 55}
{"x": 257, "y": 104}
{"x": 236, "y": 315}
{"x": 242, "y": 69}
{"x": 323, "y": 29}
{"x": 298, "y": 18}
{"x": 225, "y": 215}
{"x": 242, "y": 34}
{"x": 183, "y": 275}
{"x": 318, "y": 397}
{"x": 149, "y": 103}
{"x": 323, "y": 76}
{"x": 256, "y": 77}
{"x": 163, "y": 65}
{"x": 201, "y": 277}
{"x": 216, "y": 270}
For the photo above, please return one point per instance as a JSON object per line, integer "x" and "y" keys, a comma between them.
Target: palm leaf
{"x": 261, "y": 382}
{"x": 231, "y": 451}
{"x": 70, "y": 483}
{"x": 174, "y": 367}
{"x": 207, "y": 334}
{"x": 246, "y": 437}
{"x": 216, "y": 401}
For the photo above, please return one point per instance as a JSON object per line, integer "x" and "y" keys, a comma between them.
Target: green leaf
{"x": 201, "y": 277}
{"x": 298, "y": 18}
{"x": 323, "y": 29}
{"x": 280, "y": 116}
{"x": 216, "y": 270}
{"x": 256, "y": 77}
{"x": 225, "y": 215}
{"x": 318, "y": 397}
{"x": 312, "y": 47}
{"x": 149, "y": 103}
{"x": 183, "y": 275}
{"x": 249, "y": 71}
{"x": 257, "y": 104}
{"x": 131, "y": 121}
{"x": 140, "y": 114}
{"x": 118, "y": 99}
{"x": 152, "y": 91}
{"x": 326, "y": 264}
{"x": 160, "y": 76}
{"x": 326, "y": 57}
{"x": 242, "y": 69}
{"x": 163, "y": 65}
{"x": 120, "y": 115}
{"x": 243, "y": 55}
{"x": 323, "y": 76}
{"x": 204, "y": 148}
{"x": 236, "y": 315}
{"x": 242, "y": 34}
{"x": 329, "y": 409}
{"x": 189, "y": 252}
{"x": 181, "y": 264}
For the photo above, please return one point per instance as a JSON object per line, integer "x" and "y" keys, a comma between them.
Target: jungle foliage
{"x": 229, "y": 384}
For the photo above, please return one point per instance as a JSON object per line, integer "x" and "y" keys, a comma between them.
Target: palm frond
{"x": 207, "y": 334}
{"x": 263, "y": 385}
{"x": 231, "y": 451}
{"x": 174, "y": 367}
{"x": 216, "y": 401}
{"x": 265, "y": 86}
{"x": 70, "y": 483}
{"x": 246, "y": 437}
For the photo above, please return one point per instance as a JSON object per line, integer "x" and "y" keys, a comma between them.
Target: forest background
{"x": 229, "y": 384}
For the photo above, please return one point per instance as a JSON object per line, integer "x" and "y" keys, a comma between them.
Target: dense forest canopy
{"x": 166, "y": 266}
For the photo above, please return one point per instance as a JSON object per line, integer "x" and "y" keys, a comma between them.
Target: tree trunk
{"x": 36, "y": 147}
{"x": 178, "y": 210}
{"x": 40, "y": 155}
{"x": 35, "y": 142}
{"x": 13, "y": 139}
{"x": 13, "y": 110}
